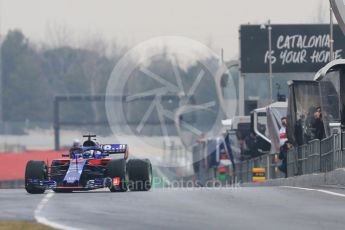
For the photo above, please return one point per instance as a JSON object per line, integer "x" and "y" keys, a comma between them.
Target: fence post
{"x": 343, "y": 149}
{"x": 268, "y": 166}
{"x": 337, "y": 151}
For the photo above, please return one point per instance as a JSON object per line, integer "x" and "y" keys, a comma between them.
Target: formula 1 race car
{"x": 90, "y": 166}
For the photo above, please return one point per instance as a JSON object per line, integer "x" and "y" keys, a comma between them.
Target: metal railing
{"x": 291, "y": 162}
{"x": 343, "y": 149}
{"x": 327, "y": 154}
{"x": 244, "y": 169}
{"x": 338, "y": 155}
{"x": 303, "y": 153}
{"x": 313, "y": 163}
{"x": 314, "y": 157}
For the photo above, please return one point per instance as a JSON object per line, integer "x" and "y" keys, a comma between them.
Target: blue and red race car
{"x": 90, "y": 166}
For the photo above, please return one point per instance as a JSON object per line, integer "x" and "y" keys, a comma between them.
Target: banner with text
{"x": 295, "y": 48}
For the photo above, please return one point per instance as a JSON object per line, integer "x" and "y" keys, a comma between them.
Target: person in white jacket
{"x": 282, "y": 132}
{"x": 285, "y": 145}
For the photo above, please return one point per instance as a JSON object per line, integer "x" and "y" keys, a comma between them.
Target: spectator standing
{"x": 282, "y": 132}
{"x": 283, "y": 156}
{"x": 317, "y": 125}
{"x": 283, "y": 143}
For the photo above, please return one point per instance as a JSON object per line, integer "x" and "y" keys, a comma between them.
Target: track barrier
{"x": 315, "y": 157}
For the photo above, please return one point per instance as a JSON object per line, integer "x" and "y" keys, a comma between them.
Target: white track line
{"x": 42, "y": 220}
{"x": 317, "y": 190}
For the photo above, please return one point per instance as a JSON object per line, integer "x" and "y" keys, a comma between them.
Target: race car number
{"x": 114, "y": 148}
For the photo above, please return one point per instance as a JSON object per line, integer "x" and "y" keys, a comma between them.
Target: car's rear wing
{"x": 114, "y": 148}
{"x": 106, "y": 149}
{"x": 109, "y": 149}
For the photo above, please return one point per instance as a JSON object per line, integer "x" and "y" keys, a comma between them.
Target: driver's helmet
{"x": 76, "y": 143}
{"x": 88, "y": 154}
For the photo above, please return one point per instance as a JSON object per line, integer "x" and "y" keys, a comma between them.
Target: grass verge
{"x": 23, "y": 225}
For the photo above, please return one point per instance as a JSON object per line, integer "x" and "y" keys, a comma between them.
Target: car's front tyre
{"x": 35, "y": 170}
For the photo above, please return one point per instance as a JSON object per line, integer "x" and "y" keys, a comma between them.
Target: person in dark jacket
{"x": 283, "y": 156}
{"x": 299, "y": 131}
{"x": 317, "y": 125}
{"x": 252, "y": 146}
{"x": 227, "y": 143}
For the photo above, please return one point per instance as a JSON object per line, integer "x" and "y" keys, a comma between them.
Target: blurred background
{"x": 51, "y": 48}
{"x": 56, "y": 58}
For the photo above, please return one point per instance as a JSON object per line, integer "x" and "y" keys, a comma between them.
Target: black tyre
{"x": 116, "y": 169}
{"x": 35, "y": 170}
{"x": 139, "y": 174}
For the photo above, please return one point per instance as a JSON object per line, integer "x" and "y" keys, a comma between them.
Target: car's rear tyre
{"x": 116, "y": 169}
{"x": 139, "y": 174}
{"x": 35, "y": 170}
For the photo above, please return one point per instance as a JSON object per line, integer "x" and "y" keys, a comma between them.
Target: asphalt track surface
{"x": 227, "y": 208}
